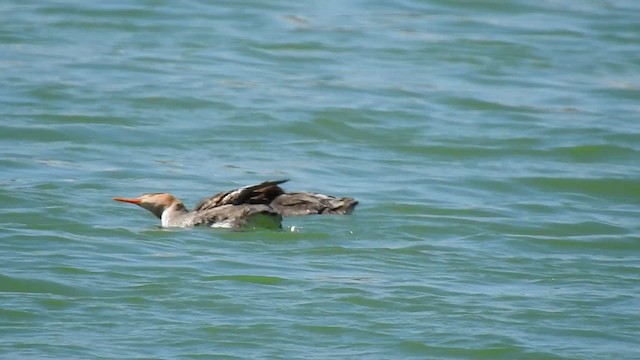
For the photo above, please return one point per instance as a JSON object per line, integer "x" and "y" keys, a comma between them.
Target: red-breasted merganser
{"x": 264, "y": 203}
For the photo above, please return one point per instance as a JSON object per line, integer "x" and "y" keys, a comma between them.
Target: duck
{"x": 258, "y": 205}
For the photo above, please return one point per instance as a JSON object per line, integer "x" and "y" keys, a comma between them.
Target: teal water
{"x": 494, "y": 147}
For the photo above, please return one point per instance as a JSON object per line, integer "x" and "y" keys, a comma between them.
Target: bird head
{"x": 156, "y": 203}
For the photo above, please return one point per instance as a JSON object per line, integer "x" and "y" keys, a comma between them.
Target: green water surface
{"x": 494, "y": 147}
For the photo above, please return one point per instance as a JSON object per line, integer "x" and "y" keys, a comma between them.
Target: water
{"x": 493, "y": 147}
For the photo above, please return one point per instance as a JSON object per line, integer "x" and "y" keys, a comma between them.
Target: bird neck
{"x": 176, "y": 209}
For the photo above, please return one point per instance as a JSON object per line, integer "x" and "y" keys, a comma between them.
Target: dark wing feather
{"x": 262, "y": 193}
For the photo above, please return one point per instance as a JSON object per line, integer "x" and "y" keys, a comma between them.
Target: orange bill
{"x": 133, "y": 201}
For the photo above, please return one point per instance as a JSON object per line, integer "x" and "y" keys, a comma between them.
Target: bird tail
{"x": 341, "y": 206}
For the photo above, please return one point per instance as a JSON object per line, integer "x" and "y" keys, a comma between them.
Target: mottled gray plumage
{"x": 304, "y": 203}
{"x": 287, "y": 204}
{"x": 239, "y": 216}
